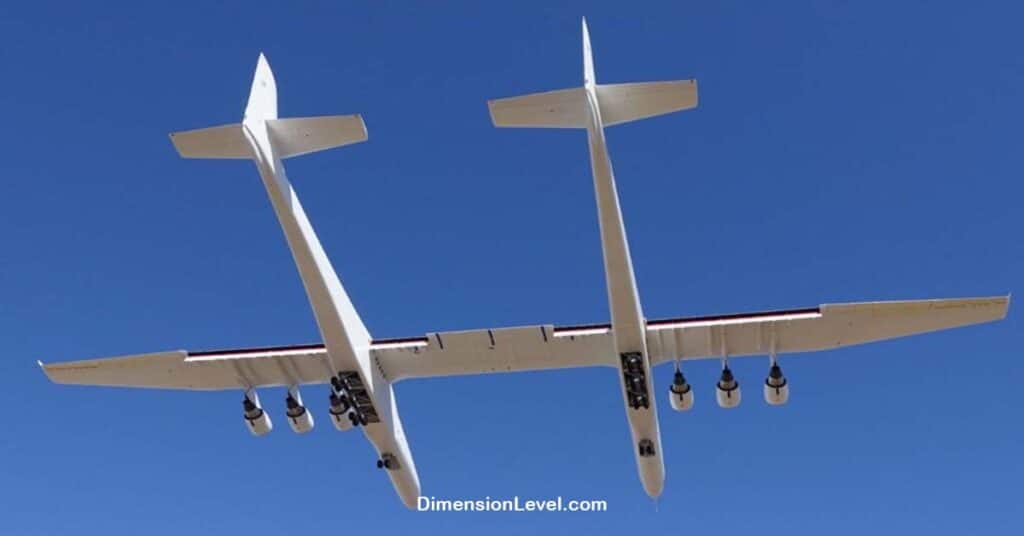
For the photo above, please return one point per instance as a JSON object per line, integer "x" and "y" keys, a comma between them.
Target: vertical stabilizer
{"x": 263, "y": 95}
{"x": 588, "y": 58}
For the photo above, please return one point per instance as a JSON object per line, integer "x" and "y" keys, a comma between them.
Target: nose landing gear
{"x": 388, "y": 461}
{"x": 645, "y": 448}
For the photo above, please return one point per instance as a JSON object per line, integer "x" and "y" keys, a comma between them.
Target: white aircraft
{"x": 361, "y": 370}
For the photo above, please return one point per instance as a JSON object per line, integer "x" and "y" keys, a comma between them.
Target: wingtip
{"x": 490, "y": 112}
{"x": 362, "y": 123}
{"x": 174, "y": 141}
{"x": 42, "y": 367}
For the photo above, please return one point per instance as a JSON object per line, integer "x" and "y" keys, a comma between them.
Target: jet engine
{"x": 727, "y": 390}
{"x": 680, "y": 394}
{"x": 341, "y": 412}
{"x": 256, "y": 419}
{"x": 300, "y": 419}
{"x": 776, "y": 388}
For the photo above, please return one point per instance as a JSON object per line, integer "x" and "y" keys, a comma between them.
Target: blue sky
{"x": 842, "y": 151}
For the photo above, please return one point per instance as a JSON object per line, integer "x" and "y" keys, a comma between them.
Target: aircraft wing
{"x": 436, "y": 354}
{"x": 201, "y": 371}
{"x": 541, "y": 347}
{"x": 818, "y": 328}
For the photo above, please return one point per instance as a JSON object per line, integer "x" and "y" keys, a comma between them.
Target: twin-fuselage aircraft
{"x": 361, "y": 370}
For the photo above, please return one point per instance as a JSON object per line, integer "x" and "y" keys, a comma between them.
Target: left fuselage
{"x": 628, "y": 326}
{"x": 345, "y": 337}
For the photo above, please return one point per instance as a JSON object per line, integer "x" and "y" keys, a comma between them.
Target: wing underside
{"x": 541, "y": 347}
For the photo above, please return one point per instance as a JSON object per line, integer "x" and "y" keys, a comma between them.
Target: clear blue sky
{"x": 842, "y": 151}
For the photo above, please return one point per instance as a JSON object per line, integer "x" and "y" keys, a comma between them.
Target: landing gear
{"x": 635, "y": 379}
{"x": 388, "y": 461}
{"x": 349, "y": 394}
{"x": 645, "y": 448}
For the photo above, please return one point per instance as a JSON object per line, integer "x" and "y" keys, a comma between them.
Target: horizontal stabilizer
{"x": 291, "y": 137}
{"x": 225, "y": 141}
{"x": 564, "y": 108}
{"x": 303, "y": 135}
{"x": 621, "y": 103}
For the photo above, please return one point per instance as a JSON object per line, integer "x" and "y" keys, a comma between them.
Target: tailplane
{"x": 622, "y": 103}
{"x": 617, "y": 103}
{"x": 291, "y": 136}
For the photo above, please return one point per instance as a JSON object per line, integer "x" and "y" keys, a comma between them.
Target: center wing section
{"x": 495, "y": 350}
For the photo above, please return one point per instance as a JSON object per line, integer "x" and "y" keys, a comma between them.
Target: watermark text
{"x": 514, "y": 504}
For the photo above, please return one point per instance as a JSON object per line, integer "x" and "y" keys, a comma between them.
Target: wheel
{"x": 380, "y": 464}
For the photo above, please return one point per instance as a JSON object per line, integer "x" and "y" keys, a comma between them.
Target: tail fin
{"x": 618, "y": 103}
{"x": 588, "y": 58}
{"x": 263, "y": 94}
{"x": 290, "y": 137}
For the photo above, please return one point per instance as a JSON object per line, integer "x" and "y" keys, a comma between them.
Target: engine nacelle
{"x": 727, "y": 390}
{"x": 341, "y": 413}
{"x": 300, "y": 419}
{"x": 256, "y": 419}
{"x": 776, "y": 388}
{"x": 680, "y": 393}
